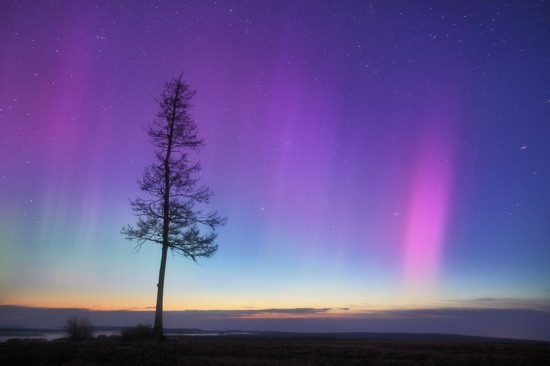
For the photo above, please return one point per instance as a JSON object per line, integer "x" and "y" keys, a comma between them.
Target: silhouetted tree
{"x": 169, "y": 216}
{"x": 78, "y": 328}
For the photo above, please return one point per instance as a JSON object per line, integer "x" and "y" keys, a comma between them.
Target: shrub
{"x": 78, "y": 327}
{"x": 140, "y": 331}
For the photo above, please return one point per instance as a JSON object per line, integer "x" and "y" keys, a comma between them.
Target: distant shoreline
{"x": 50, "y": 334}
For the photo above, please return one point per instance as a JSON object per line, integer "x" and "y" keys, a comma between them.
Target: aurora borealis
{"x": 369, "y": 155}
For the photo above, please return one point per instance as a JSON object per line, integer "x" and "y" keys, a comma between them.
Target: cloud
{"x": 275, "y": 311}
{"x": 542, "y": 303}
{"x": 255, "y": 313}
{"x": 53, "y": 317}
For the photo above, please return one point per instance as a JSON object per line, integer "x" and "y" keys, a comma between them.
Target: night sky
{"x": 371, "y": 157}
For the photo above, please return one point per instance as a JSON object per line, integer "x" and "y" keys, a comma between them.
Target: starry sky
{"x": 369, "y": 156}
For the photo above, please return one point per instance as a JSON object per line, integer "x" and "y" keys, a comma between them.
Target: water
{"x": 47, "y": 335}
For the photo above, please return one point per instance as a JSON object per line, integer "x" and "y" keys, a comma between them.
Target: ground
{"x": 273, "y": 350}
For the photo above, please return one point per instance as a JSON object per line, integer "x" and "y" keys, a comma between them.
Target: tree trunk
{"x": 158, "y": 330}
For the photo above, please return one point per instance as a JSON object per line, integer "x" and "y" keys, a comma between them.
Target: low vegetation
{"x": 78, "y": 328}
{"x": 272, "y": 351}
{"x": 139, "y": 332}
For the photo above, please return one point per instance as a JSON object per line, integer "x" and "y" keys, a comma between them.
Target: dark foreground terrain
{"x": 274, "y": 350}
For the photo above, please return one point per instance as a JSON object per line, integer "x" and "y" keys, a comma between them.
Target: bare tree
{"x": 171, "y": 215}
{"x": 78, "y": 328}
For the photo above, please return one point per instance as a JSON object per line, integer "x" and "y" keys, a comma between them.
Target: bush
{"x": 140, "y": 331}
{"x": 78, "y": 328}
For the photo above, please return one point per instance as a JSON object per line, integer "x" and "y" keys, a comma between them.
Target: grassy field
{"x": 273, "y": 350}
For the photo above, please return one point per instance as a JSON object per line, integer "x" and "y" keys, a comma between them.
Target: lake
{"x": 50, "y": 334}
